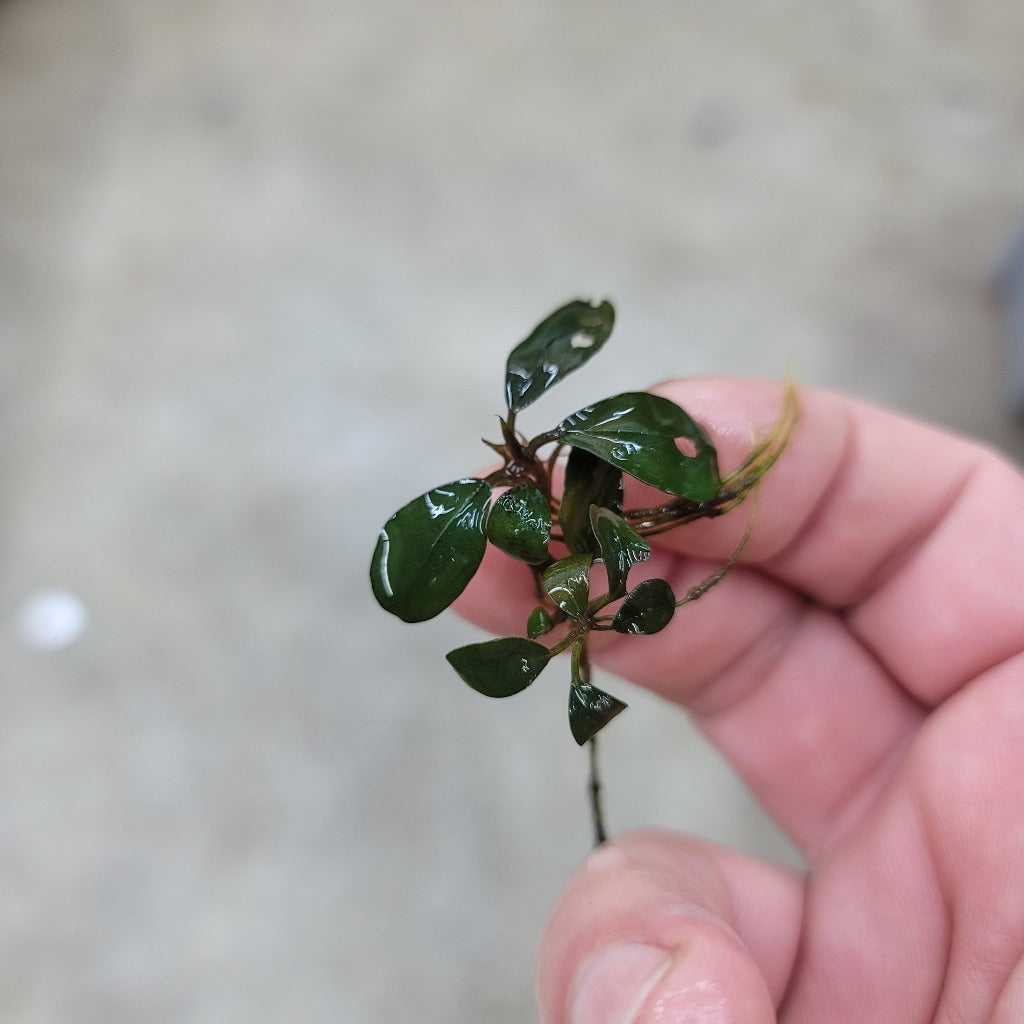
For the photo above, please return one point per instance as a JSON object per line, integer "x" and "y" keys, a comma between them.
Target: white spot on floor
{"x": 51, "y": 619}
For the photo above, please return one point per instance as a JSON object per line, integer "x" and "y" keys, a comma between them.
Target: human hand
{"x": 863, "y": 669}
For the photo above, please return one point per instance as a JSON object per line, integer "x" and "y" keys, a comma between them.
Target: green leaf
{"x": 619, "y": 546}
{"x": 567, "y": 583}
{"x": 500, "y": 668}
{"x": 429, "y": 550}
{"x": 561, "y": 343}
{"x": 520, "y": 524}
{"x": 588, "y": 481}
{"x": 647, "y": 608}
{"x": 538, "y": 623}
{"x": 637, "y": 432}
{"x": 590, "y": 710}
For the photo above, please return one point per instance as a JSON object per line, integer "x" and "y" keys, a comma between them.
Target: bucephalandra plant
{"x": 429, "y": 550}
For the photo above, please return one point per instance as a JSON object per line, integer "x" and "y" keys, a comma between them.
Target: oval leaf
{"x": 520, "y": 524}
{"x": 561, "y": 343}
{"x": 647, "y": 608}
{"x": 567, "y": 583}
{"x": 619, "y": 546}
{"x": 538, "y": 623}
{"x": 429, "y": 550}
{"x": 590, "y": 710}
{"x": 637, "y": 432}
{"x": 500, "y": 668}
{"x": 588, "y": 481}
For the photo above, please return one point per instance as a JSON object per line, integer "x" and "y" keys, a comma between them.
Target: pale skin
{"x": 863, "y": 669}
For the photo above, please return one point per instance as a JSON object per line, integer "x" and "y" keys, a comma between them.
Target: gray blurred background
{"x": 260, "y": 266}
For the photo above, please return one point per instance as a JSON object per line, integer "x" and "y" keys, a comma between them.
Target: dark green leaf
{"x": 429, "y": 550}
{"x": 636, "y": 432}
{"x": 647, "y": 608}
{"x": 499, "y": 668}
{"x": 558, "y": 345}
{"x": 538, "y": 623}
{"x": 619, "y": 546}
{"x": 567, "y": 583}
{"x": 588, "y": 481}
{"x": 520, "y": 524}
{"x": 590, "y": 710}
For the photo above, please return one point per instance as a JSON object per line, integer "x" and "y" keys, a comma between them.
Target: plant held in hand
{"x": 429, "y": 550}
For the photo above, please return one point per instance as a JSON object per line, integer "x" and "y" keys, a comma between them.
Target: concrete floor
{"x": 260, "y": 265}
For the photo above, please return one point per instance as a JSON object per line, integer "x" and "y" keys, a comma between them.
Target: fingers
{"x": 882, "y": 572}
{"x": 654, "y": 927}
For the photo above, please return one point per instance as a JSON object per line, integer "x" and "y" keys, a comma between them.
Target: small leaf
{"x": 561, "y": 343}
{"x": 637, "y": 432}
{"x": 500, "y": 668}
{"x": 538, "y": 623}
{"x": 619, "y": 546}
{"x": 588, "y": 481}
{"x": 429, "y": 550}
{"x": 590, "y": 710}
{"x": 567, "y": 583}
{"x": 520, "y": 524}
{"x": 647, "y": 608}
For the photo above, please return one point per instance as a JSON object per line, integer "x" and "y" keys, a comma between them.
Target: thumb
{"x": 657, "y": 928}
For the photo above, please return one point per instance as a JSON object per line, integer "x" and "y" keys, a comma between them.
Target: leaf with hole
{"x": 429, "y": 550}
{"x": 637, "y": 432}
{"x": 648, "y": 608}
{"x": 561, "y": 343}
{"x": 500, "y": 668}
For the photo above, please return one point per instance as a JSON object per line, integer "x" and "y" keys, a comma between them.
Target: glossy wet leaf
{"x": 637, "y": 432}
{"x": 538, "y": 623}
{"x": 589, "y": 480}
{"x": 567, "y": 583}
{"x": 520, "y": 524}
{"x": 619, "y": 546}
{"x": 561, "y": 343}
{"x": 429, "y": 550}
{"x": 500, "y": 668}
{"x": 648, "y": 608}
{"x": 590, "y": 710}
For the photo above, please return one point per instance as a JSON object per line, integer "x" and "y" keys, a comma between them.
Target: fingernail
{"x": 612, "y": 987}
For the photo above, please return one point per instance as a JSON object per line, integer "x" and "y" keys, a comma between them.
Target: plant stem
{"x": 596, "y": 812}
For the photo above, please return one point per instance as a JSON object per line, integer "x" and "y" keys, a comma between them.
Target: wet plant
{"x": 429, "y": 550}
